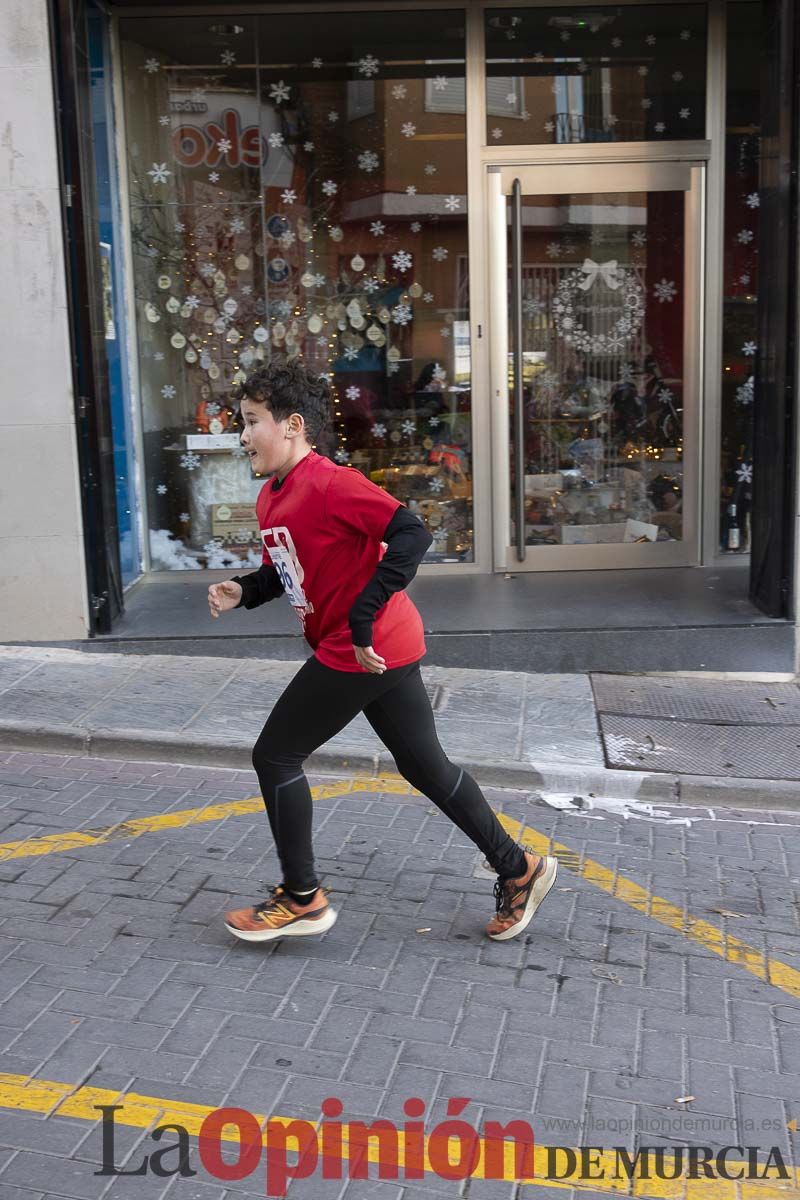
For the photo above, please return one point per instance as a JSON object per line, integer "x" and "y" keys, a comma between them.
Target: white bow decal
{"x": 608, "y": 272}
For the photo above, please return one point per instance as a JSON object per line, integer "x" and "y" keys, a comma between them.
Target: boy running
{"x": 322, "y": 527}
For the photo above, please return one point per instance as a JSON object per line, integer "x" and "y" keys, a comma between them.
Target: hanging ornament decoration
{"x": 571, "y": 310}
{"x": 242, "y": 262}
{"x": 260, "y": 334}
{"x": 393, "y": 354}
{"x": 233, "y": 337}
{"x": 315, "y": 323}
{"x": 178, "y": 340}
{"x": 278, "y": 331}
{"x": 191, "y": 355}
{"x": 213, "y": 371}
{"x": 415, "y": 291}
{"x": 152, "y": 313}
{"x": 357, "y": 263}
{"x": 375, "y": 335}
{"x": 173, "y": 305}
{"x": 164, "y": 282}
{"x": 230, "y": 306}
{"x": 304, "y": 233}
{"x": 308, "y": 280}
{"x": 210, "y": 316}
{"x": 336, "y": 233}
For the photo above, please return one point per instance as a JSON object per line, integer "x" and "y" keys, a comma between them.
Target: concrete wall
{"x": 42, "y": 577}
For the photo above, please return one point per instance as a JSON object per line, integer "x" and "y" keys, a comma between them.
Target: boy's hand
{"x": 223, "y": 596}
{"x": 369, "y": 660}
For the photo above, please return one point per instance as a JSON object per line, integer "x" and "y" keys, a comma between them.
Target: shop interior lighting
{"x": 226, "y": 30}
{"x": 582, "y": 20}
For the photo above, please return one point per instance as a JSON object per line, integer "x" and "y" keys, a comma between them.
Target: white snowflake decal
{"x": 213, "y": 176}
{"x": 434, "y": 422}
{"x": 184, "y": 517}
{"x": 190, "y": 461}
{"x": 402, "y": 260}
{"x": 749, "y": 348}
{"x": 408, "y": 129}
{"x": 428, "y": 297}
{"x": 549, "y": 126}
{"x": 659, "y": 127}
{"x": 164, "y": 120}
{"x": 227, "y": 58}
{"x": 316, "y": 63}
{"x": 378, "y": 430}
{"x": 207, "y": 269}
{"x": 677, "y": 76}
{"x": 646, "y": 102}
{"x": 616, "y": 42}
{"x": 288, "y": 195}
{"x": 638, "y": 237}
{"x": 744, "y": 236}
{"x": 368, "y": 65}
{"x": 511, "y": 98}
{"x": 330, "y": 188}
{"x": 745, "y": 279}
{"x": 411, "y": 190}
{"x": 497, "y": 133}
{"x": 308, "y": 147}
{"x": 408, "y": 428}
{"x": 685, "y": 35}
{"x": 151, "y": 65}
{"x": 180, "y": 227}
{"x": 440, "y": 83}
{"x": 275, "y": 140}
{"x": 399, "y": 92}
{"x": 439, "y": 253}
{"x": 643, "y": 70}
{"x": 401, "y": 314}
{"x": 341, "y": 455}
{"x": 665, "y": 290}
{"x": 351, "y": 353}
{"x": 685, "y": 113}
{"x": 415, "y": 227}
{"x": 162, "y": 489}
{"x": 159, "y": 172}
{"x": 224, "y": 145}
{"x": 333, "y": 116}
{"x": 368, "y": 161}
{"x": 353, "y": 392}
{"x": 746, "y": 391}
{"x": 237, "y": 225}
{"x": 553, "y": 250}
{"x": 452, "y": 203}
{"x": 168, "y": 391}
{"x": 279, "y": 92}
{"x": 377, "y": 228}
{"x": 371, "y": 285}
{"x": 445, "y": 331}
{"x": 287, "y": 239}
{"x": 753, "y": 200}
{"x": 651, "y": 39}
{"x": 192, "y": 302}
{"x": 430, "y": 169}
{"x": 436, "y": 484}
{"x": 744, "y": 472}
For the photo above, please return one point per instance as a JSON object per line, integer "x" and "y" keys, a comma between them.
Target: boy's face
{"x": 264, "y": 438}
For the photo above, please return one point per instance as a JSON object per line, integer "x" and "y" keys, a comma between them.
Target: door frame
{"x": 592, "y": 176}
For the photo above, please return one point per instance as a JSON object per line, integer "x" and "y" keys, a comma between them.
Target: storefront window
{"x": 740, "y": 289}
{"x": 617, "y": 73}
{"x": 297, "y": 187}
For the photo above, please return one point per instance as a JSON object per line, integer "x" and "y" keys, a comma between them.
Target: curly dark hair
{"x": 286, "y": 386}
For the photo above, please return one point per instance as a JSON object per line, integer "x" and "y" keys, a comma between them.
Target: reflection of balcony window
{"x": 360, "y": 98}
{"x": 452, "y": 98}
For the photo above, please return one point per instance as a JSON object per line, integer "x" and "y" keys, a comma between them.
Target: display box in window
{"x": 235, "y": 524}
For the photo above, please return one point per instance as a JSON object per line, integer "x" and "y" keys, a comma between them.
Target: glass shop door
{"x": 595, "y": 364}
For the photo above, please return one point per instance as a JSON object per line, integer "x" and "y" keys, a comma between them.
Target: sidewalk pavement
{"x": 511, "y": 729}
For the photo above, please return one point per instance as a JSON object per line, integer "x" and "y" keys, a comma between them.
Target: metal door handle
{"x": 519, "y": 416}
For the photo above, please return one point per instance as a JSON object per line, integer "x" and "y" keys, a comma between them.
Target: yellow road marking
{"x": 60, "y": 843}
{"x": 726, "y": 946}
{"x": 26, "y": 1094}
{"x": 732, "y": 949}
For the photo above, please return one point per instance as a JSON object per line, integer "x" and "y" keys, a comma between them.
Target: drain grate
{"x": 689, "y": 748}
{"x": 732, "y": 702}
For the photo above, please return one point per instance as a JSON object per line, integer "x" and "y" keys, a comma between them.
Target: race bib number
{"x": 287, "y": 572}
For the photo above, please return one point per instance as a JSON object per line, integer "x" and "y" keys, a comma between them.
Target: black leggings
{"x": 316, "y": 705}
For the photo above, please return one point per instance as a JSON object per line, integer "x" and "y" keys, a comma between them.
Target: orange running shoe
{"x": 518, "y": 899}
{"x": 280, "y": 916}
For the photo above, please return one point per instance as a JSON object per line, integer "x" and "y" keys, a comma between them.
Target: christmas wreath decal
{"x": 582, "y": 279}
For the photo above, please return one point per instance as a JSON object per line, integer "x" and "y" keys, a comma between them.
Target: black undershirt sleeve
{"x": 258, "y": 587}
{"x": 407, "y": 542}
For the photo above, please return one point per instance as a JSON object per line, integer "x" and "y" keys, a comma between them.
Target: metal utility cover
{"x": 726, "y": 702}
{"x": 692, "y": 748}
